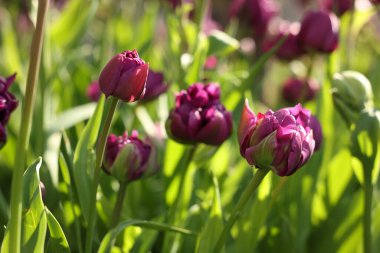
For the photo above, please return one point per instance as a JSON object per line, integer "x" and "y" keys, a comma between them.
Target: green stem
{"x": 98, "y": 163}
{"x": 252, "y": 186}
{"x": 119, "y": 204}
{"x": 367, "y": 238}
{"x": 24, "y": 134}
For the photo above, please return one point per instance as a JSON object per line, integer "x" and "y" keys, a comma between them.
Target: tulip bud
{"x": 199, "y": 116}
{"x": 281, "y": 141}
{"x": 339, "y": 7}
{"x": 352, "y": 92}
{"x": 93, "y": 91}
{"x": 256, "y": 13}
{"x": 8, "y": 101}
{"x": 124, "y": 76}
{"x": 319, "y": 32}
{"x": 296, "y": 90}
{"x": 127, "y": 158}
{"x": 155, "y": 86}
{"x": 3, "y": 135}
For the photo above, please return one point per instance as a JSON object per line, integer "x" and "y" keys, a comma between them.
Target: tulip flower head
{"x": 155, "y": 86}
{"x": 199, "y": 116}
{"x": 128, "y": 158}
{"x": 297, "y": 90}
{"x": 8, "y": 101}
{"x": 319, "y": 32}
{"x": 124, "y": 76}
{"x": 282, "y": 141}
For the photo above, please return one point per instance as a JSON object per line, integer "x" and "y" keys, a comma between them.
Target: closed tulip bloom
{"x": 339, "y": 7}
{"x": 128, "y": 158}
{"x": 93, "y": 91}
{"x": 199, "y": 116}
{"x": 8, "y": 101}
{"x": 124, "y": 76}
{"x": 296, "y": 90}
{"x": 276, "y": 140}
{"x": 319, "y": 32}
{"x": 155, "y": 86}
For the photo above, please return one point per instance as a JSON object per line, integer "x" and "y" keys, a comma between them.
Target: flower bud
{"x": 319, "y": 32}
{"x": 339, "y": 7}
{"x": 296, "y": 90}
{"x": 199, "y": 116}
{"x": 155, "y": 86}
{"x": 8, "y": 101}
{"x": 352, "y": 92}
{"x": 281, "y": 141}
{"x": 124, "y": 76}
{"x": 127, "y": 158}
{"x": 93, "y": 91}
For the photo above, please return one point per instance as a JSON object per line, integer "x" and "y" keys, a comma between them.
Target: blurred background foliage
{"x": 317, "y": 210}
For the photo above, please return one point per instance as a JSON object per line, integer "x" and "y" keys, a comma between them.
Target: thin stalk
{"x": 309, "y": 73}
{"x": 252, "y": 186}
{"x": 98, "y": 163}
{"x": 24, "y": 134}
{"x": 368, "y": 190}
{"x": 117, "y": 210}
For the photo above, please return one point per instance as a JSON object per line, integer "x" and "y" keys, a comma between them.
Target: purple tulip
{"x": 297, "y": 90}
{"x": 257, "y": 14}
{"x": 199, "y": 116}
{"x": 128, "y": 158}
{"x": 8, "y": 101}
{"x": 319, "y": 32}
{"x": 155, "y": 86}
{"x": 290, "y": 49}
{"x": 93, "y": 91}
{"x": 280, "y": 141}
{"x": 124, "y": 76}
{"x": 375, "y": 1}
{"x": 339, "y": 7}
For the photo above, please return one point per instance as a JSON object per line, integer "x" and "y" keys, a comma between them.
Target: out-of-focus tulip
{"x": 256, "y": 13}
{"x": 297, "y": 90}
{"x": 199, "y": 116}
{"x": 375, "y": 1}
{"x": 276, "y": 140}
{"x": 128, "y": 158}
{"x": 319, "y": 32}
{"x": 211, "y": 62}
{"x": 93, "y": 91}
{"x": 8, "y": 101}
{"x": 124, "y": 76}
{"x": 155, "y": 86}
{"x": 339, "y": 7}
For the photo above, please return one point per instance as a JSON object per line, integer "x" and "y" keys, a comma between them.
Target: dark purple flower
{"x": 319, "y": 32}
{"x": 256, "y": 13}
{"x": 281, "y": 141}
{"x": 8, "y": 101}
{"x": 290, "y": 49}
{"x": 199, "y": 116}
{"x": 124, "y": 76}
{"x": 155, "y": 86}
{"x": 93, "y": 91}
{"x": 339, "y": 7}
{"x": 128, "y": 158}
{"x": 297, "y": 90}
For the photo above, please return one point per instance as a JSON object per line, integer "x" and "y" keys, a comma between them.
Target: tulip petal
{"x": 248, "y": 121}
{"x": 109, "y": 77}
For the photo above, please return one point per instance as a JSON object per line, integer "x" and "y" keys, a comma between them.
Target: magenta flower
{"x": 297, "y": 90}
{"x": 8, "y": 101}
{"x": 93, "y": 91}
{"x": 211, "y": 62}
{"x": 155, "y": 86}
{"x": 199, "y": 116}
{"x": 256, "y": 13}
{"x": 128, "y": 158}
{"x": 124, "y": 76}
{"x": 280, "y": 141}
{"x": 319, "y": 32}
{"x": 339, "y": 7}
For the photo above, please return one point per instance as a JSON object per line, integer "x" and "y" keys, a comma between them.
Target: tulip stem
{"x": 14, "y": 227}
{"x": 119, "y": 204}
{"x": 252, "y": 186}
{"x": 112, "y": 102}
{"x": 368, "y": 189}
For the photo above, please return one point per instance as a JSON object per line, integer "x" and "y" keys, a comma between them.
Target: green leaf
{"x": 214, "y": 224}
{"x": 221, "y": 43}
{"x": 83, "y": 158}
{"x": 109, "y": 240}
{"x": 57, "y": 242}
